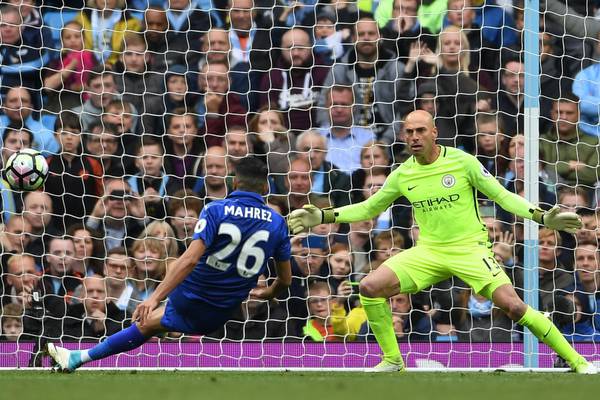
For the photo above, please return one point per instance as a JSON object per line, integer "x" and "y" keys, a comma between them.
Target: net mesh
{"x": 143, "y": 108}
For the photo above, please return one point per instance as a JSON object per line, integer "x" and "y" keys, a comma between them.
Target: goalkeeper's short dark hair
{"x": 251, "y": 174}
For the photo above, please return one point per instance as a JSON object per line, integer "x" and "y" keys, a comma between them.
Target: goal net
{"x": 143, "y": 108}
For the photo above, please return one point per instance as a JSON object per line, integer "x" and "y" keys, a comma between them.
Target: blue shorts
{"x": 193, "y": 316}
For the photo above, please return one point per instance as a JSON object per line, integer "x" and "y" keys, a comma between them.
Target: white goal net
{"x": 142, "y": 109}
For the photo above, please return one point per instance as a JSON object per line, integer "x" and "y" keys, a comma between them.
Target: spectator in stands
{"x": 327, "y": 179}
{"x": 572, "y": 156}
{"x": 510, "y": 97}
{"x": 15, "y": 138}
{"x": 100, "y": 89}
{"x": 377, "y": 81}
{"x": 587, "y": 277}
{"x": 160, "y": 53}
{"x": 359, "y": 238}
{"x": 373, "y": 182}
{"x": 21, "y": 279}
{"x": 586, "y": 88}
{"x": 118, "y": 214}
{"x": 16, "y": 235}
{"x": 328, "y": 41}
{"x": 479, "y": 321}
{"x": 37, "y": 210}
{"x": 183, "y": 146}
{"x": 554, "y": 276}
{"x": 374, "y": 159}
{"x": 122, "y": 116}
{"x": 572, "y": 198}
{"x": 308, "y": 262}
{"x": 218, "y": 108}
{"x": 65, "y": 77}
{"x": 590, "y": 225}
{"x": 215, "y": 184}
{"x": 104, "y": 25}
{"x": 491, "y": 143}
{"x": 403, "y": 29}
{"x": 455, "y": 95}
{"x": 151, "y": 182}
{"x": 161, "y": 230}
{"x": 188, "y": 22}
{"x": 271, "y": 139}
{"x": 237, "y": 145}
{"x": 95, "y": 317}
{"x": 256, "y": 320}
{"x": 134, "y": 78}
{"x": 344, "y": 140}
{"x": 184, "y": 209}
{"x": 576, "y": 322}
{"x": 103, "y": 142}
{"x": 30, "y": 12}
{"x": 43, "y": 310}
{"x": 25, "y": 50}
{"x": 89, "y": 250}
{"x": 327, "y": 318}
{"x": 293, "y": 85}
{"x": 339, "y": 266}
{"x": 298, "y": 183}
{"x": 484, "y": 55}
{"x": 176, "y": 96}
{"x": 515, "y": 174}
{"x": 11, "y": 323}
{"x": 253, "y": 33}
{"x": 17, "y": 111}
{"x": 386, "y": 244}
{"x": 75, "y": 180}
{"x": 59, "y": 278}
{"x": 150, "y": 262}
{"x": 118, "y": 272}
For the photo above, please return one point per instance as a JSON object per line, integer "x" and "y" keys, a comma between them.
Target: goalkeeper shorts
{"x": 193, "y": 316}
{"x": 422, "y": 266}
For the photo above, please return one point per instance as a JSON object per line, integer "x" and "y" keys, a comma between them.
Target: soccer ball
{"x": 26, "y": 170}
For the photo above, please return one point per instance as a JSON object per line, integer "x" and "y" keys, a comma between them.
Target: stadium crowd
{"x": 143, "y": 107}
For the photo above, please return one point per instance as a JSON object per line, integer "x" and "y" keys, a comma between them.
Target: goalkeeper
{"x": 441, "y": 183}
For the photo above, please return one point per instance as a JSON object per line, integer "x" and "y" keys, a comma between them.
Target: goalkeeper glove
{"x": 309, "y": 216}
{"x": 554, "y": 219}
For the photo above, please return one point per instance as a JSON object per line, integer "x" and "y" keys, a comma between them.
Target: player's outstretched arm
{"x": 308, "y": 216}
{"x": 282, "y": 282}
{"x": 177, "y": 273}
{"x": 515, "y": 204}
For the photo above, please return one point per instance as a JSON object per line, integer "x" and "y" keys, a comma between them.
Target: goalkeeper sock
{"x": 120, "y": 342}
{"x": 379, "y": 316}
{"x": 549, "y": 334}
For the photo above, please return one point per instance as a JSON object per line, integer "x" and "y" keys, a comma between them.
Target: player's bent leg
{"x": 508, "y": 301}
{"x": 375, "y": 289}
{"x": 125, "y": 340}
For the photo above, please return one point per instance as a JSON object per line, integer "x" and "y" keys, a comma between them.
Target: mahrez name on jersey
{"x": 249, "y": 212}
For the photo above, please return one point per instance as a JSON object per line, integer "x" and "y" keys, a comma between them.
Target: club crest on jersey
{"x": 448, "y": 180}
{"x": 485, "y": 172}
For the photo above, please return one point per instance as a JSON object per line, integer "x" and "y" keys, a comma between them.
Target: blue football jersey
{"x": 240, "y": 233}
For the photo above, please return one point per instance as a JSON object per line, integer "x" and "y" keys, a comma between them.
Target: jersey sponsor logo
{"x": 485, "y": 172}
{"x": 412, "y": 187}
{"x": 448, "y": 180}
{"x": 436, "y": 203}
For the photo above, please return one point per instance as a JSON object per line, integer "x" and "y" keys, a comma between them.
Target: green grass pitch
{"x": 130, "y": 385}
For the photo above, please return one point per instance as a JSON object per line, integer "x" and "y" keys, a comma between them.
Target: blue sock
{"x": 120, "y": 342}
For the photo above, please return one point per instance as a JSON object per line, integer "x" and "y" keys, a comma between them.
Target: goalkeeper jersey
{"x": 443, "y": 195}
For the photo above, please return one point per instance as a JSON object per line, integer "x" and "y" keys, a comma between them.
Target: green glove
{"x": 309, "y": 216}
{"x": 554, "y": 219}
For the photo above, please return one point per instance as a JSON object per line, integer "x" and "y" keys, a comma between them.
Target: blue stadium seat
{"x": 55, "y": 20}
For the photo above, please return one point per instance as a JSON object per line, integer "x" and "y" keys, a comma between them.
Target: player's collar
{"x": 243, "y": 193}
